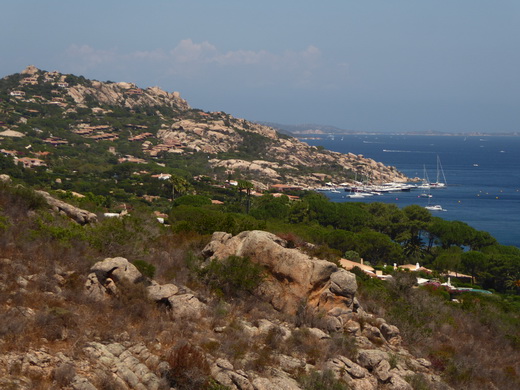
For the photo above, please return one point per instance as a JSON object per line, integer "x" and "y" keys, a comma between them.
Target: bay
{"x": 482, "y": 172}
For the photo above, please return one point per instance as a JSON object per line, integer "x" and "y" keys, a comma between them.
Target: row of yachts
{"x": 367, "y": 190}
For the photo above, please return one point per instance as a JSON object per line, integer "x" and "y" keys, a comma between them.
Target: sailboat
{"x": 440, "y": 173}
{"x": 425, "y": 182}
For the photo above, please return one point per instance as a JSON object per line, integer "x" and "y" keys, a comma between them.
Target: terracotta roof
{"x": 349, "y": 264}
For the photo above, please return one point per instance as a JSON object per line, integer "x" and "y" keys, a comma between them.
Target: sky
{"x": 364, "y": 65}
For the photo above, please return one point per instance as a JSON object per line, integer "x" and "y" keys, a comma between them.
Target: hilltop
{"x": 47, "y": 118}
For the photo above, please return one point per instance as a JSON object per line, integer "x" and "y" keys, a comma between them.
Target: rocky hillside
{"x": 318, "y": 332}
{"x": 41, "y": 111}
{"x": 88, "y": 302}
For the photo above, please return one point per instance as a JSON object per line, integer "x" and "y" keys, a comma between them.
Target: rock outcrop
{"x": 126, "y": 95}
{"x": 293, "y": 276}
{"x": 282, "y": 157}
{"x": 79, "y": 215}
{"x": 105, "y": 276}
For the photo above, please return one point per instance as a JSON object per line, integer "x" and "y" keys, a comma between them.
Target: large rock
{"x": 293, "y": 276}
{"x": 341, "y": 365}
{"x": 104, "y": 275}
{"x": 398, "y": 383}
{"x": 158, "y": 292}
{"x": 343, "y": 283}
{"x": 186, "y": 305}
{"x": 79, "y": 215}
{"x": 391, "y": 333}
{"x": 223, "y": 372}
{"x": 278, "y": 380}
{"x": 117, "y": 268}
{"x": 370, "y": 358}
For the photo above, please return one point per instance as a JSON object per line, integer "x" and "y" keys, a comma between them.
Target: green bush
{"x": 232, "y": 276}
{"x": 130, "y": 236}
{"x": 203, "y": 220}
{"x": 145, "y": 268}
{"x": 61, "y": 230}
{"x": 352, "y": 255}
{"x": 322, "y": 380}
{"x": 4, "y": 222}
{"x": 192, "y": 200}
{"x": 24, "y": 195}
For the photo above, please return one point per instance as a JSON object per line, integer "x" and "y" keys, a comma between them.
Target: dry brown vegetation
{"x": 45, "y": 261}
{"x": 474, "y": 344}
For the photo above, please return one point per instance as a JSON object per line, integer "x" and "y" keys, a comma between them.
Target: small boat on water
{"x": 436, "y": 207}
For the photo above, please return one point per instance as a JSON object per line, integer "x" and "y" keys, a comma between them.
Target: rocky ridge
{"x": 283, "y": 157}
{"x": 116, "y": 94}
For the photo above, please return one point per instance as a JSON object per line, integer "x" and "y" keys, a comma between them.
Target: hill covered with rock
{"x": 49, "y": 117}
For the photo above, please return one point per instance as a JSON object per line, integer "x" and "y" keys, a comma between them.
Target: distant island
{"x": 315, "y": 129}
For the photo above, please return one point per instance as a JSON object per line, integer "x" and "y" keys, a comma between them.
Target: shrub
{"x": 303, "y": 342}
{"x": 233, "y": 276}
{"x": 185, "y": 218}
{"x": 352, "y": 255}
{"x": 61, "y": 230}
{"x": 342, "y": 344}
{"x": 324, "y": 252}
{"x": 145, "y": 268}
{"x": 63, "y": 374}
{"x": 308, "y": 316}
{"x": 402, "y": 282}
{"x": 235, "y": 341}
{"x": 189, "y": 369}
{"x": 55, "y": 323}
{"x": 128, "y": 237}
{"x": 418, "y": 382}
{"x": 22, "y": 195}
{"x": 192, "y": 200}
{"x": 322, "y": 380}
{"x": 293, "y": 241}
{"x": 4, "y": 222}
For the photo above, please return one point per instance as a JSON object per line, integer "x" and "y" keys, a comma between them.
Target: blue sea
{"x": 482, "y": 172}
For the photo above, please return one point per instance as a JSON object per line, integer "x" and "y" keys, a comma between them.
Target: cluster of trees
{"x": 380, "y": 233}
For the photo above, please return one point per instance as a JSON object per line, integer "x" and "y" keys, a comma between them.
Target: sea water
{"x": 482, "y": 172}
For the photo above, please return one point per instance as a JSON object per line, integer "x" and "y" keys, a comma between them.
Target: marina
{"x": 483, "y": 182}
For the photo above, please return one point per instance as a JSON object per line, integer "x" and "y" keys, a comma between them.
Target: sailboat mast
{"x": 440, "y": 171}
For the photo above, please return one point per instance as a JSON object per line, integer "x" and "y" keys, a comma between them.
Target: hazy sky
{"x": 388, "y": 65}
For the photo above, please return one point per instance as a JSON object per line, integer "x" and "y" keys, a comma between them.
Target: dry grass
{"x": 471, "y": 347}
{"x": 466, "y": 346}
{"x": 189, "y": 369}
